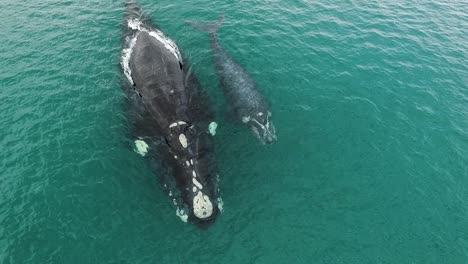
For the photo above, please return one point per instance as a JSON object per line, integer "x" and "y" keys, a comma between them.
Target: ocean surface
{"x": 370, "y": 103}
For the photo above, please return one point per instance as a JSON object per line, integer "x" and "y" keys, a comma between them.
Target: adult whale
{"x": 170, "y": 118}
{"x": 239, "y": 88}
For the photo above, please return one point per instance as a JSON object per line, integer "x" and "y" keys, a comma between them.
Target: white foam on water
{"x": 134, "y": 24}
{"x": 141, "y": 147}
{"x": 125, "y": 62}
{"x": 157, "y": 34}
{"x": 168, "y": 43}
{"x": 220, "y": 204}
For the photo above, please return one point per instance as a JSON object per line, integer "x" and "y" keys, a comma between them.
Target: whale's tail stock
{"x": 209, "y": 27}
{"x": 132, "y": 9}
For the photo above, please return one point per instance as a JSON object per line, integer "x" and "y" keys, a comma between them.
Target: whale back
{"x": 159, "y": 79}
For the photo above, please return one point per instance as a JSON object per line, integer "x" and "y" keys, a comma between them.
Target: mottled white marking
{"x": 194, "y": 189}
{"x": 260, "y": 114}
{"x": 269, "y": 114}
{"x": 126, "y": 54}
{"x": 202, "y": 206}
{"x": 268, "y": 130}
{"x": 182, "y": 215}
{"x": 245, "y": 119}
{"x": 170, "y": 193}
{"x": 198, "y": 184}
{"x": 158, "y": 35}
{"x": 174, "y": 202}
{"x": 183, "y": 140}
{"x": 212, "y": 128}
{"x": 220, "y": 204}
{"x": 255, "y": 130}
{"x": 141, "y": 147}
{"x": 194, "y": 174}
{"x": 181, "y": 123}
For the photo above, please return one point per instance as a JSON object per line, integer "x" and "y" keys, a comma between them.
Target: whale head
{"x": 195, "y": 174}
{"x": 262, "y": 126}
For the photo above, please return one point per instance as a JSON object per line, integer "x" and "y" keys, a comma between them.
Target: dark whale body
{"x": 170, "y": 117}
{"x": 239, "y": 88}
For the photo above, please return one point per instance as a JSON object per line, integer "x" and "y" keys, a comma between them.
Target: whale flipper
{"x": 210, "y": 28}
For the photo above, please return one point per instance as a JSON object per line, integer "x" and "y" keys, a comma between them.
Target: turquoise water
{"x": 370, "y": 103}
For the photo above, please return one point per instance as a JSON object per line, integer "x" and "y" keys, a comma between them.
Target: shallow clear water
{"x": 370, "y": 102}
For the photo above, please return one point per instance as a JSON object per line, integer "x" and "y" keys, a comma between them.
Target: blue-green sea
{"x": 370, "y": 104}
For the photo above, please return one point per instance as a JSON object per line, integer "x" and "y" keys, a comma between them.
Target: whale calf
{"x": 170, "y": 118}
{"x": 239, "y": 88}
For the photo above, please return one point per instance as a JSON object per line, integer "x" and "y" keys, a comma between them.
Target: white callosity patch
{"x": 181, "y": 213}
{"x": 183, "y": 140}
{"x": 126, "y": 54}
{"x": 178, "y": 123}
{"x": 202, "y": 206}
{"x": 158, "y": 35}
{"x": 194, "y": 174}
{"x": 245, "y": 119}
{"x": 141, "y": 147}
{"x": 197, "y": 183}
{"x": 212, "y": 128}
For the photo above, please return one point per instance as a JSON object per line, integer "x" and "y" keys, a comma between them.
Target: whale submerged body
{"x": 170, "y": 118}
{"x": 239, "y": 88}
